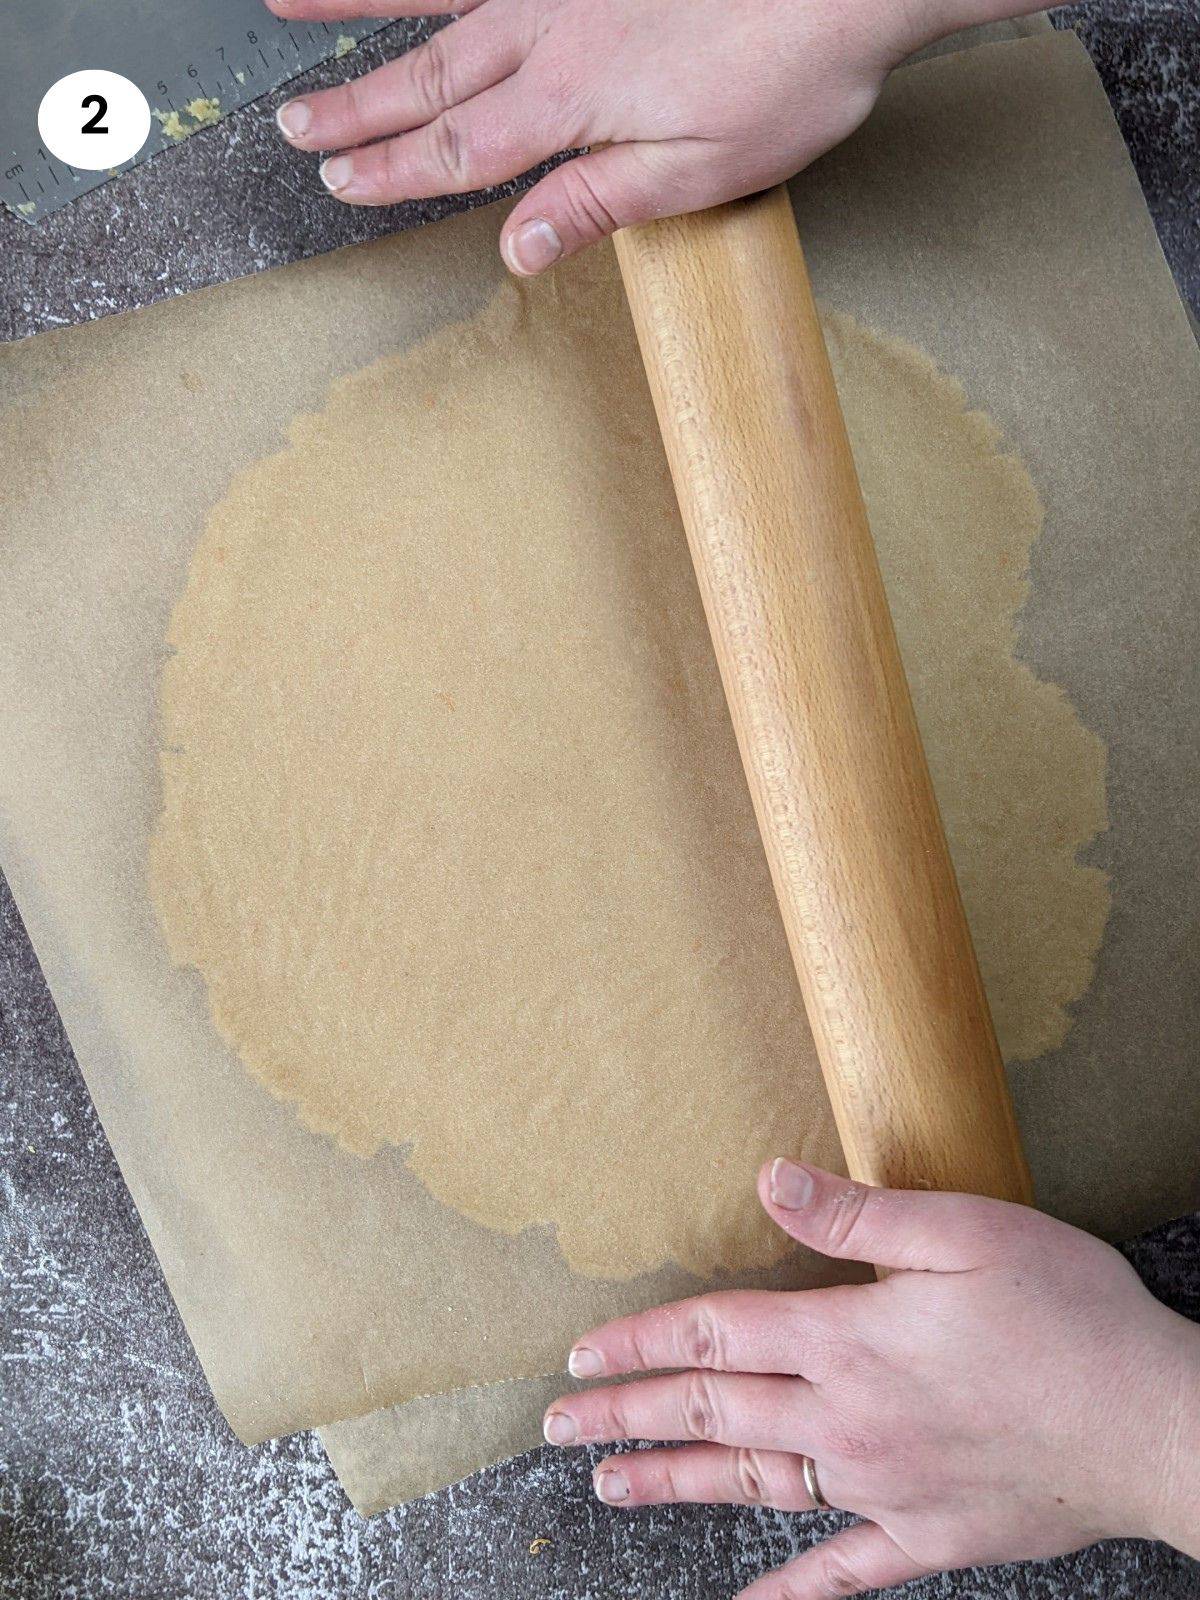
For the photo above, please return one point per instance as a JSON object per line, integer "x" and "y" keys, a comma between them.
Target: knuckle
{"x": 793, "y": 1586}
{"x": 701, "y": 1407}
{"x": 350, "y": 107}
{"x": 845, "y": 1216}
{"x": 640, "y": 1341}
{"x": 431, "y": 76}
{"x": 448, "y": 152}
{"x": 821, "y": 1344}
{"x": 560, "y": 94}
{"x": 854, "y": 1442}
{"x": 704, "y": 1338}
{"x": 836, "y": 1574}
{"x": 595, "y": 1424}
{"x": 587, "y": 213}
{"x": 833, "y": 1358}
{"x": 753, "y": 1477}
{"x": 611, "y": 1418}
{"x": 662, "y": 1477}
{"x": 990, "y": 1224}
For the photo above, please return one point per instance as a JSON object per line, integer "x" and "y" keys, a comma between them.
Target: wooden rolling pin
{"x": 787, "y": 570}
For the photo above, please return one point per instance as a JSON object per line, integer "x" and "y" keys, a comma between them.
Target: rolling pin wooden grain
{"x": 795, "y": 602}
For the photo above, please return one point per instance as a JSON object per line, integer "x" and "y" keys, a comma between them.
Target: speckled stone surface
{"x": 118, "y": 1476}
{"x": 1148, "y": 54}
{"x": 231, "y": 200}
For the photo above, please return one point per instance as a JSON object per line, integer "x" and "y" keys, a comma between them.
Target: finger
{"x": 592, "y": 196}
{"x": 732, "y": 1331}
{"x": 899, "y": 1228}
{"x": 859, "y": 1559}
{"x": 456, "y": 64}
{"x": 342, "y": 10}
{"x": 710, "y": 1474}
{"x": 724, "y": 1408}
{"x": 492, "y": 138}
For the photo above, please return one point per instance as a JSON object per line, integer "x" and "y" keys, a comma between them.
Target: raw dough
{"x": 1019, "y": 779}
{"x": 453, "y": 823}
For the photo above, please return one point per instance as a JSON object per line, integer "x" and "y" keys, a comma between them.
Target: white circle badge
{"x": 94, "y": 120}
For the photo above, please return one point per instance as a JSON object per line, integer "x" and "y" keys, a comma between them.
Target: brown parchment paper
{"x": 1036, "y": 25}
{"x": 1099, "y": 593}
{"x": 403, "y": 1452}
{"x": 312, "y": 1280}
{"x": 315, "y": 1285}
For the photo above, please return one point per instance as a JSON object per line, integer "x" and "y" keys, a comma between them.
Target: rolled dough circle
{"x": 454, "y": 827}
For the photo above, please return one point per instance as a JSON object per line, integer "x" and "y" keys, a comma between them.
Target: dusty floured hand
{"x": 1010, "y": 1391}
{"x": 690, "y": 102}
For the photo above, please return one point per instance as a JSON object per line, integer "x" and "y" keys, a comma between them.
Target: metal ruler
{"x": 194, "y": 60}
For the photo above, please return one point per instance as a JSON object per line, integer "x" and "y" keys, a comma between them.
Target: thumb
{"x": 859, "y": 1559}
{"x": 587, "y": 199}
{"x": 905, "y": 1229}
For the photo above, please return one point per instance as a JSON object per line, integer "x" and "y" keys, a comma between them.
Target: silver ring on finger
{"x": 808, "y": 1468}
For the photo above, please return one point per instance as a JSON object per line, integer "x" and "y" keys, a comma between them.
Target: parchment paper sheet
{"x": 1050, "y": 354}
{"x": 402, "y": 1452}
{"x": 1036, "y": 25}
{"x": 313, "y": 1282}
{"x": 314, "y": 1286}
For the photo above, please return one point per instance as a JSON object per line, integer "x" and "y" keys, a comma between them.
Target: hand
{"x": 1011, "y": 1391}
{"x": 690, "y": 101}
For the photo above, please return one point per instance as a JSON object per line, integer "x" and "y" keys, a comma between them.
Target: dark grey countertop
{"x": 118, "y": 1475}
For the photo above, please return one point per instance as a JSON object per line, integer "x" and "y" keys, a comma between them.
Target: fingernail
{"x": 336, "y": 173}
{"x": 611, "y": 1486}
{"x": 294, "y": 119}
{"x": 559, "y": 1428}
{"x": 791, "y": 1186}
{"x": 584, "y": 1363}
{"x": 533, "y": 247}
